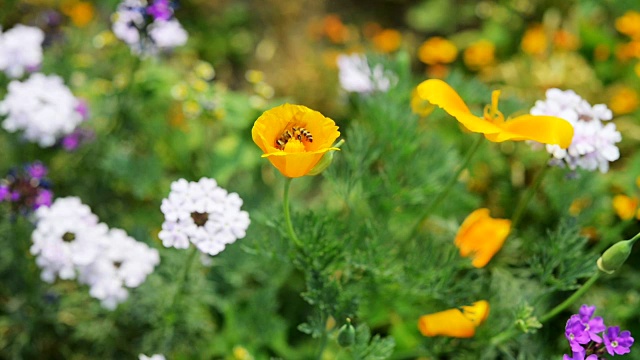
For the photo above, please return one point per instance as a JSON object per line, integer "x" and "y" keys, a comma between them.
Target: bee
{"x": 283, "y": 139}
{"x": 299, "y": 132}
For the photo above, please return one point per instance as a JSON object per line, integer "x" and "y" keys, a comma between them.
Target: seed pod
{"x": 346, "y": 334}
{"x": 613, "y": 258}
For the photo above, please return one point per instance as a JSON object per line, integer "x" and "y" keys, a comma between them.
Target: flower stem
{"x": 287, "y": 214}
{"x": 449, "y": 185}
{"x": 517, "y": 214}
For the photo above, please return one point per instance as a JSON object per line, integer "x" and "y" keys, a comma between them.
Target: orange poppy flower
{"x": 543, "y": 129}
{"x": 481, "y": 236}
{"x": 294, "y": 138}
{"x": 625, "y": 207}
{"x": 459, "y": 322}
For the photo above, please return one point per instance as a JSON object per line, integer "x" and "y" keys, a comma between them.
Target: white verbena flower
{"x": 167, "y": 34}
{"x": 356, "y": 75}
{"x": 204, "y": 214}
{"x": 152, "y": 357}
{"x": 20, "y": 50}
{"x": 42, "y": 106}
{"x": 593, "y": 145}
{"x": 67, "y": 236}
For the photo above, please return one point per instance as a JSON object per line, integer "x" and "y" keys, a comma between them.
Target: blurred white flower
{"x": 43, "y": 107}
{"x": 203, "y": 214}
{"x": 593, "y": 145}
{"x": 67, "y": 236}
{"x": 152, "y": 357}
{"x": 167, "y": 34}
{"x": 356, "y": 75}
{"x": 20, "y": 50}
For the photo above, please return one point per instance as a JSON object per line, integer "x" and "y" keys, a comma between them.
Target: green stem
{"x": 287, "y": 214}
{"x": 449, "y": 185}
{"x": 522, "y": 205}
{"x": 323, "y": 344}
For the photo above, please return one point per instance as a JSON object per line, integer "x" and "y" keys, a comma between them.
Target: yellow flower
{"x": 625, "y": 206}
{"x": 81, "y": 13}
{"x": 437, "y": 50}
{"x": 481, "y": 236}
{"x": 387, "y": 41}
{"x": 459, "y": 323}
{"x": 534, "y": 41}
{"x": 629, "y": 24}
{"x": 294, "y": 152}
{"x": 543, "y": 129}
{"x": 624, "y": 100}
{"x": 479, "y": 54}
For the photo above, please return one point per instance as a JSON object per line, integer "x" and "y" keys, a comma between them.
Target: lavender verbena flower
{"x": 204, "y": 214}
{"x": 26, "y": 188}
{"x": 593, "y": 325}
{"x": 160, "y": 10}
{"x": 20, "y": 50}
{"x": 356, "y": 75}
{"x": 575, "y": 332}
{"x": 617, "y": 342}
{"x": 148, "y": 29}
{"x": 42, "y": 106}
{"x": 593, "y": 146}
{"x": 580, "y": 355}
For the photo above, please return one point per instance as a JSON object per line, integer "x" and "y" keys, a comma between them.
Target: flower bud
{"x": 326, "y": 160}
{"x": 613, "y": 258}
{"x": 346, "y": 334}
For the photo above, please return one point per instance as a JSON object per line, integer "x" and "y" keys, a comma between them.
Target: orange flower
{"x": 459, "y": 323}
{"x": 481, "y": 236}
{"x": 437, "y": 50}
{"x": 534, "y": 41}
{"x": 543, "y": 129}
{"x": 624, "y": 100}
{"x": 629, "y": 24}
{"x": 387, "y": 41}
{"x": 625, "y": 206}
{"x": 81, "y": 13}
{"x": 479, "y": 54}
{"x": 335, "y": 30}
{"x": 294, "y": 138}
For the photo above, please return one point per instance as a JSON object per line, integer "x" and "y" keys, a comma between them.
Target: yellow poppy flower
{"x": 481, "y": 236}
{"x": 543, "y": 129}
{"x": 437, "y": 50}
{"x": 294, "y": 138}
{"x": 459, "y": 323}
{"x": 625, "y": 207}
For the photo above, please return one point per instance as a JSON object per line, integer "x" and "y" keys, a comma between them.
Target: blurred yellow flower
{"x": 81, "y": 13}
{"x": 479, "y": 54}
{"x": 628, "y": 51}
{"x": 543, "y": 129}
{"x": 534, "y": 41}
{"x": 565, "y": 40}
{"x": 387, "y": 41}
{"x": 481, "y": 236}
{"x": 624, "y": 100}
{"x": 629, "y": 24}
{"x": 437, "y": 50}
{"x": 294, "y": 138}
{"x": 625, "y": 207}
{"x": 458, "y": 323}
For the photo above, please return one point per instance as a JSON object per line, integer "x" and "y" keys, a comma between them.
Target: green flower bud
{"x": 612, "y": 259}
{"x": 346, "y": 334}
{"x": 326, "y": 160}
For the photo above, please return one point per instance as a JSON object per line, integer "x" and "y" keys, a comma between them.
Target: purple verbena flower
{"x": 617, "y": 342}
{"x": 36, "y": 170}
{"x": 44, "y": 198}
{"x": 83, "y": 109}
{"x": 160, "y": 10}
{"x": 4, "y": 192}
{"x": 592, "y": 326}
{"x": 576, "y": 333}
{"x": 579, "y": 355}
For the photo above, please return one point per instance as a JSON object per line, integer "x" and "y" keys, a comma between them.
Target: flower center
{"x": 68, "y": 237}
{"x": 293, "y": 134}
{"x": 614, "y": 343}
{"x": 294, "y": 146}
{"x": 199, "y": 218}
{"x": 491, "y": 112}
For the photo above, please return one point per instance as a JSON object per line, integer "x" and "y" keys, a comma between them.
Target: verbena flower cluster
{"x": 70, "y": 243}
{"x": 594, "y": 142}
{"x": 26, "y": 188}
{"x": 590, "y": 338}
{"x": 356, "y": 75}
{"x": 20, "y": 50}
{"x": 204, "y": 214}
{"x": 148, "y": 28}
{"x": 41, "y": 106}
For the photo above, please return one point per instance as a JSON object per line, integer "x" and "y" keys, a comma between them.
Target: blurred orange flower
{"x": 437, "y": 50}
{"x": 565, "y": 40}
{"x": 625, "y": 207}
{"x": 335, "y": 30}
{"x": 294, "y": 138}
{"x": 459, "y": 322}
{"x": 81, "y": 13}
{"x": 387, "y": 41}
{"x": 481, "y": 236}
{"x": 479, "y": 54}
{"x": 624, "y": 100}
{"x": 629, "y": 24}
{"x": 543, "y": 129}
{"x": 534, "y": 41}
